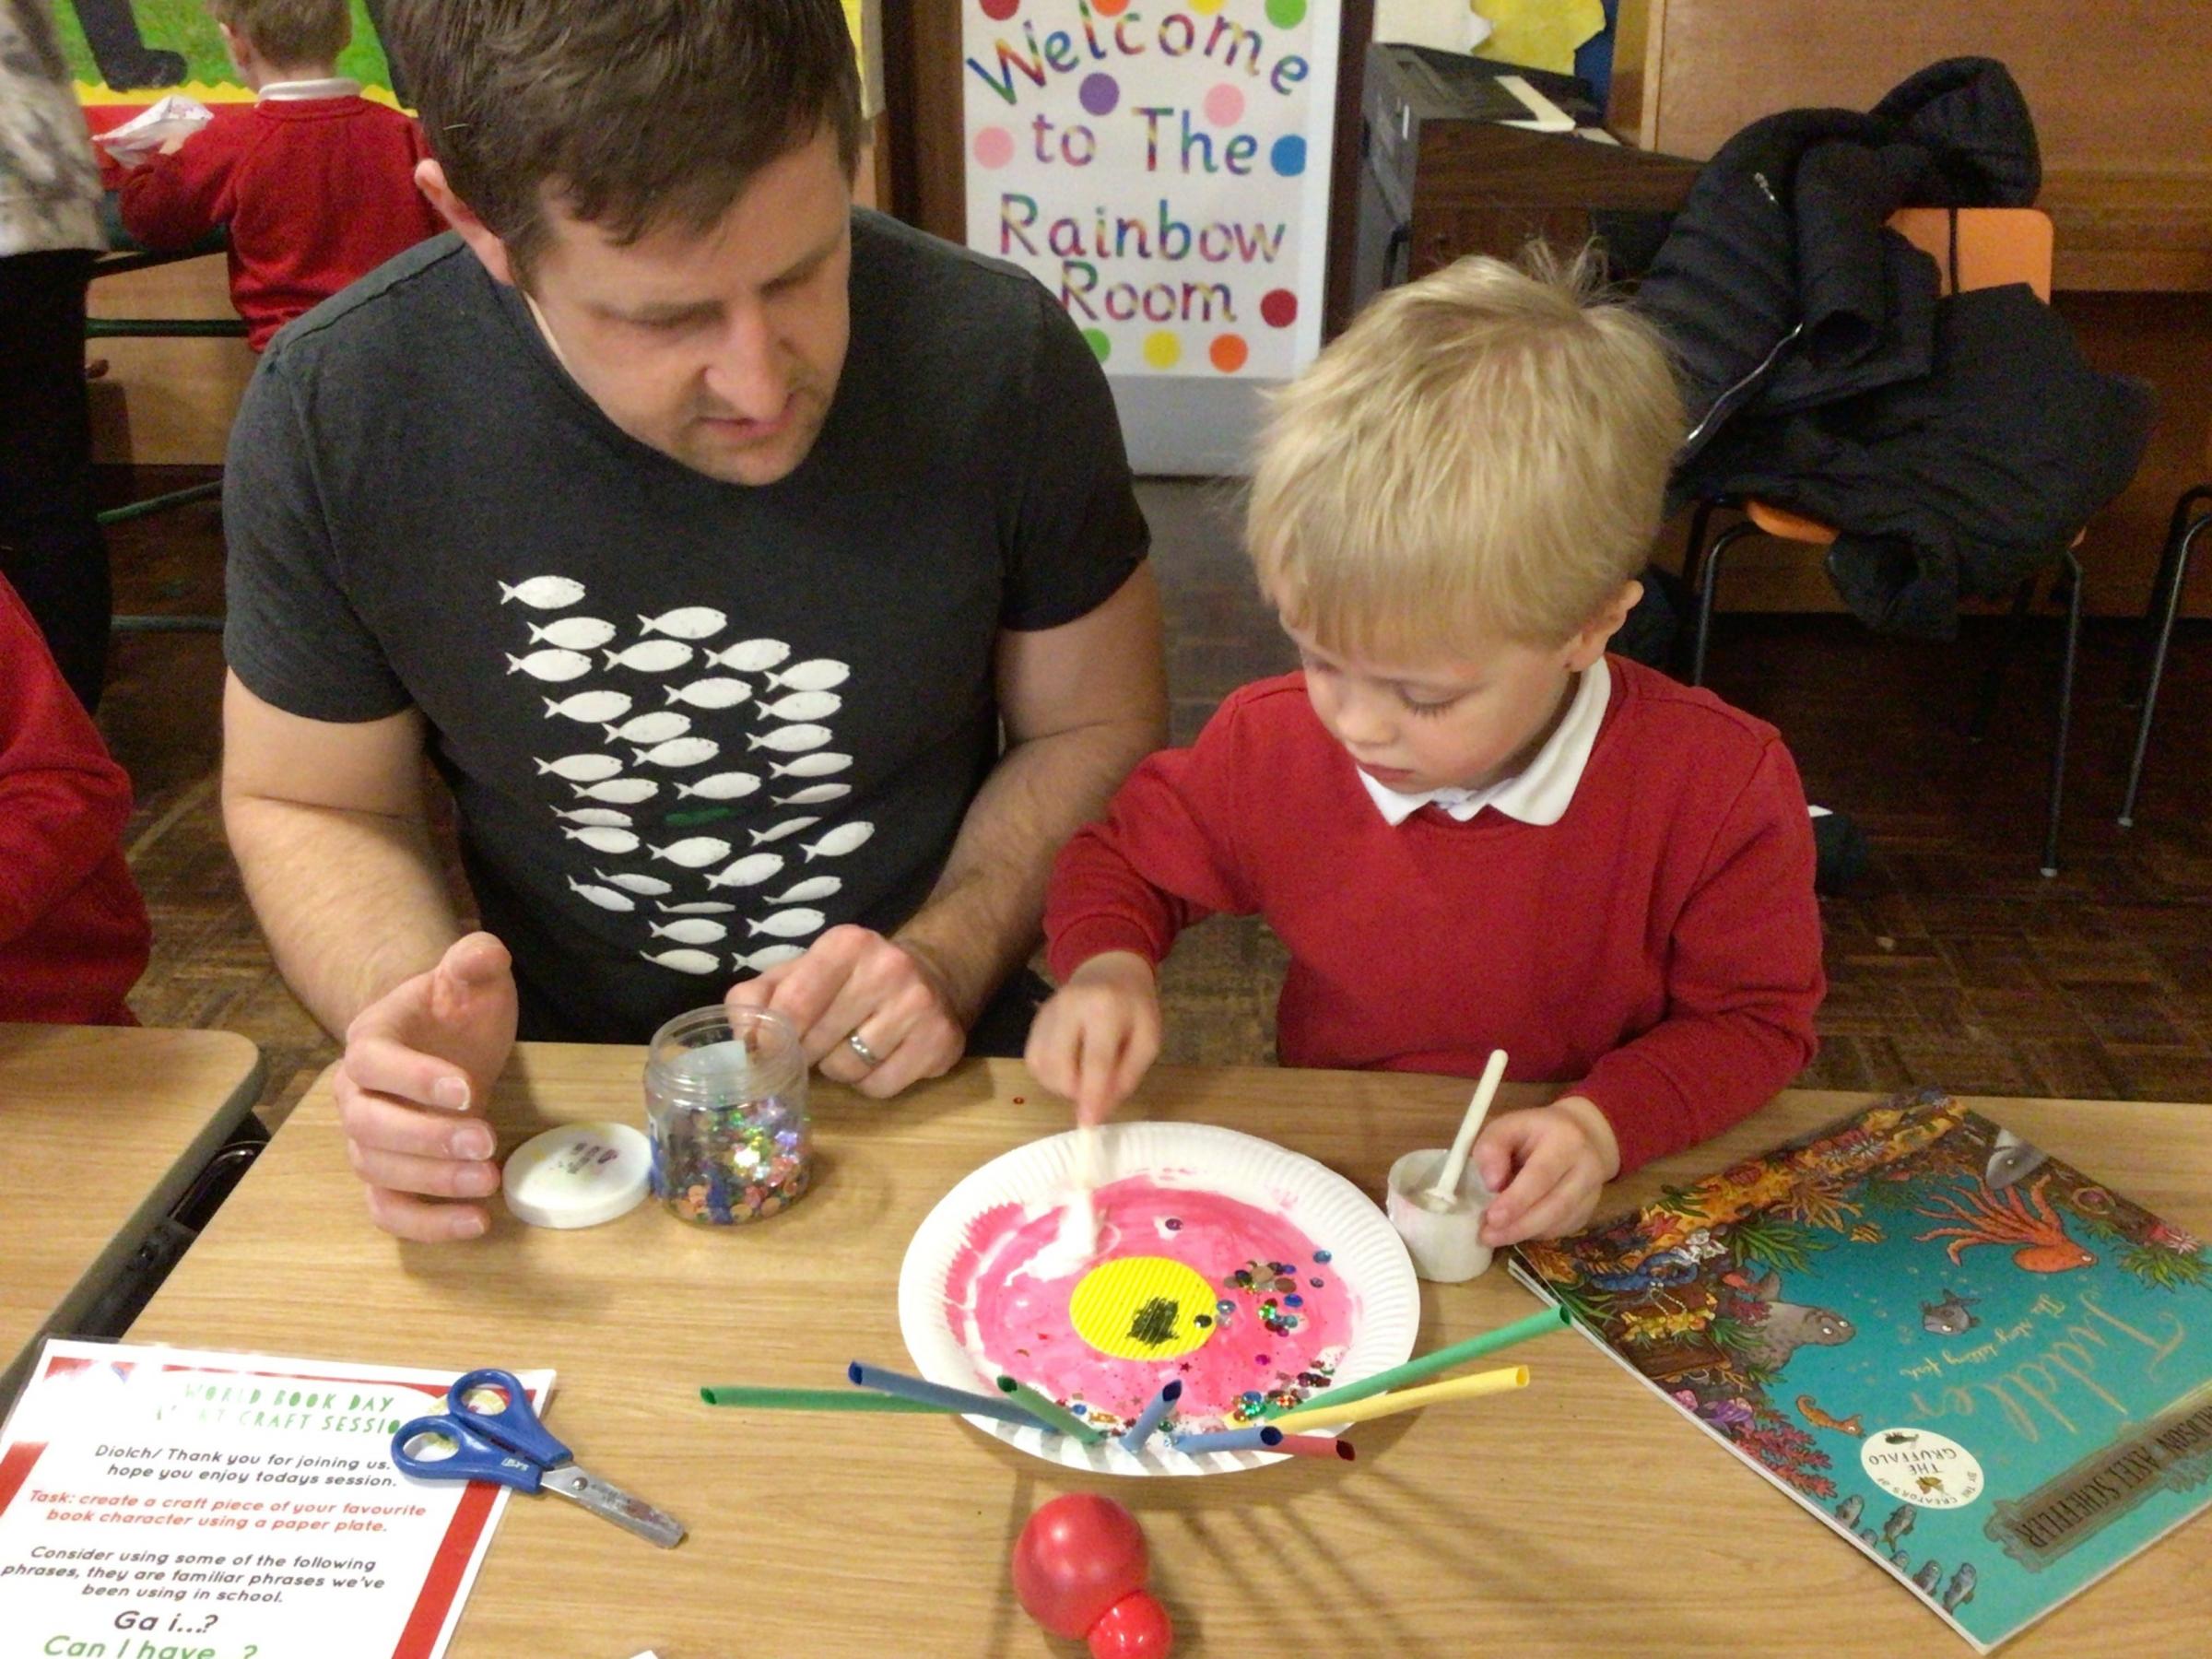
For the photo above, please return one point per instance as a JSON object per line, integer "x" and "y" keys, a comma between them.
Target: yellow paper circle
{"x": 1143, "y": 1308}
{"x": 1162, "y": 350}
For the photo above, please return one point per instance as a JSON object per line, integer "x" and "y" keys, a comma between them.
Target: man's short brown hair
{"x": 630, "y": 117}
{"x": 288, "y": 32}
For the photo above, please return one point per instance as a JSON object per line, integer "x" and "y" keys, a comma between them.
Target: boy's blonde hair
{"x": 1483, "y": 450}
{"x": 288, "y": 32}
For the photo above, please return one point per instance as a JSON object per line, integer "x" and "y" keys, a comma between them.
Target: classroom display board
{"x": 125, "y": 54}
{"x": 865, "y": 18}
{"x": 1164, "y": 172}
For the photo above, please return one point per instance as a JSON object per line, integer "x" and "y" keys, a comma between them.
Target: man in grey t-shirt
{"x": 707, "y": 536}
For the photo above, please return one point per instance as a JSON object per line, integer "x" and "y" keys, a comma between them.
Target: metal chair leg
{"x": 211, "y": 490}
{"x": 2066, "y": 710}
{"x": 2165, "y": 602}
{"x": 161, "y": 504}
{"x": 1694, "y": 548}
{"x": 2170, "y": 554}
{"x": 1709, "y": 581}
{"x": 164, "y": 328}
{"x": 1992, "y": 677}
{"x": 157, "y": 624}
{"x": 1693, "y": 555}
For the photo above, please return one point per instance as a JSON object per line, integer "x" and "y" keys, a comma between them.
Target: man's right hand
{"x": 418, "y": 1070}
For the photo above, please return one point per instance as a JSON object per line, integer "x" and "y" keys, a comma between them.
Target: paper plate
{"x": 1365, "y": 1254}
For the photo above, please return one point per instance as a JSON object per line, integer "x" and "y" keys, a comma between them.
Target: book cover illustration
{"x": 1989, "y": 1371}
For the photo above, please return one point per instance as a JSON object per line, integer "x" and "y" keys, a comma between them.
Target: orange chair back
{"x": 1996, "y": 245}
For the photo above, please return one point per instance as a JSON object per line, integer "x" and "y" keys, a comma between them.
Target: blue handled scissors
{"x": 488, "y": 1432}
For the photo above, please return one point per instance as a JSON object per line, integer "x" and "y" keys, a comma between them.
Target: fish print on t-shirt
{"x": 704, "y": 773}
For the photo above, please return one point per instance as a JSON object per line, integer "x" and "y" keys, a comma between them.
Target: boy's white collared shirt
{"x": 1540, "y": 792}
{"x": 336, "y": 86}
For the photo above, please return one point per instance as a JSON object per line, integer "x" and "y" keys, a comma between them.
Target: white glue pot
{"x": 1446, "y": 1244}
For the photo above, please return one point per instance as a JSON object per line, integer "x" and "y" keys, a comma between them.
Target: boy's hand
{"x": 1094, "y": 1040}
{"x": 1546, "y": 1167}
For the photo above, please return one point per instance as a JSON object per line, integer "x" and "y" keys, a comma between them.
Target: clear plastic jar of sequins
{"x": 725, "y": 1105}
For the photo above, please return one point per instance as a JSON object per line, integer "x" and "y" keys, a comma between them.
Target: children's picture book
{"x": 1989, "y": 1371}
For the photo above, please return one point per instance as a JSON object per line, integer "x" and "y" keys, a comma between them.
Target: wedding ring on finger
{"x": 868, "y": 1056}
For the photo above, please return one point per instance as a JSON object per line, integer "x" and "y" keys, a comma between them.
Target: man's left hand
{"x": 856, "y": 982}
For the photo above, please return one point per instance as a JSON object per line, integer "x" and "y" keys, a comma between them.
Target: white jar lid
{"x": 577, "y": 1175}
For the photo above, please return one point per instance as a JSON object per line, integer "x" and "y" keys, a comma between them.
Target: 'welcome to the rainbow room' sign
{"x": 1163, "y": 167}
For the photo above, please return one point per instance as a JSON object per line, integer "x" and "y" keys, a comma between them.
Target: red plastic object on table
{"x": 1136, "y": 1626}
{"x": 1079, "y": 1570}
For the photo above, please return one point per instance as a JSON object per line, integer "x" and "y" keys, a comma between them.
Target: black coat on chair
{"x": 1824, "y": 375}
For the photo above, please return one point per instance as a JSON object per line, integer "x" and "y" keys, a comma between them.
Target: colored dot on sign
{"x": 1225, "y": 105}
{"x": 1109, "y": 9}
{"x": 994, "y": 147}
{"x": 1100, "y": 93}
{"x": 1205, "y": 8}
{"x": 1289, "y": 156}
{"x": 998, "y": 11}
{"x": 1279, "y": 309}
{"x": 1100, "y": 346}
{"x": 1162, "y": 351}
{"x": 1286, "y": 13}
{"x": 1229, "y": 352}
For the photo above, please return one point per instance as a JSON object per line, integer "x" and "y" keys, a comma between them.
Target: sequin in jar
{"x": 725, "y": 1104}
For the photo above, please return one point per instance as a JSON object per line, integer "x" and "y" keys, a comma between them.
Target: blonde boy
{"x": 1469, "y": 826}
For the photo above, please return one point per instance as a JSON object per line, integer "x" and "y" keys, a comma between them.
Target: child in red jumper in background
{"x": 315, "y": 182}
{"x": 73, "y": 929}
{"x": 1470, "y": 827}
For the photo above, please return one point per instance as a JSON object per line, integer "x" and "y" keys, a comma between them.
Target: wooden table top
{"x": 1577, "y": 1517}
{"x": 106, "y": 1125}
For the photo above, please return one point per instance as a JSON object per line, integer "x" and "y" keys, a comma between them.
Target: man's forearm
{"x": 982, "y": 918}
{"x": 352, "y": 902}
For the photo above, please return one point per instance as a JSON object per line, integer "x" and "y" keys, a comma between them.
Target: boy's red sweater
{"x": 1658, "y": 947}
{"x": 316, "y": 192}
{"x": 74, "y": 937}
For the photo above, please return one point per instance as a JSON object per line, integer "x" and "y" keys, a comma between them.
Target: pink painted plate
{"x": 1290, "y": 1280}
